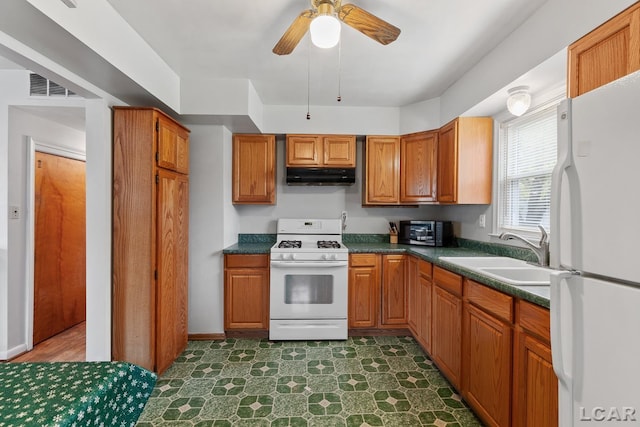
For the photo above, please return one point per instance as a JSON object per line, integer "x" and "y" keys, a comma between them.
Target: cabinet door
{"x": 246, "y": 298}
{"x": 424, "y": 307}
{"x": 448, "y": 163}
{"x": 172, "y": 260}
{"x": 254, "y": 161}
{"x": 535, "y": 386}
{"x": 173, "y": 145}
{"x": 394, "y": 295}
{"x": 487, "y": 372}
{"x": 446, "y": 334}
{"x": 339, "y": 151}
{"x": 364, "y": 290}
{"x": 418, "y": 167}
{"x": 605, "y": 54}
{"x": 382, "y": 182}
{"x": 413, "y": 302}
{"x": 304, "y": 150}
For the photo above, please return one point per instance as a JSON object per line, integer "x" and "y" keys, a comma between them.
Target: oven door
{"x": 308, "y": 290}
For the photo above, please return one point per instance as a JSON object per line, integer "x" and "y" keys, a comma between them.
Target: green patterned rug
{"x": 364, "y": 381}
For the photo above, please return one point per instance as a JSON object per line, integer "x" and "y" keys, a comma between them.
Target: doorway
{"x": 59, "y": 250}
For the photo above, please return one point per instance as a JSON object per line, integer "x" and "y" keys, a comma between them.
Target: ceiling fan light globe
{"x": 519, "y": 100}
{"x": 325, "y": 31}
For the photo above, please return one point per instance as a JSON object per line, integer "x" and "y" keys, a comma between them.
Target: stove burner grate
{"x": 287, "y": 244}
{"x": 328, "y": 244}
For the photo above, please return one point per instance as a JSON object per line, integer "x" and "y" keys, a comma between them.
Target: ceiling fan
{"x": 355, "y": 17}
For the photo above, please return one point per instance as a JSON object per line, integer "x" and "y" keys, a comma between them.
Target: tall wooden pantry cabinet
{"x": 150, "y": 237}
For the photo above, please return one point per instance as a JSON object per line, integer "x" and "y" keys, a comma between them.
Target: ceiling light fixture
{"x": 325, "y": 28}
{"x": 519, "y": 100}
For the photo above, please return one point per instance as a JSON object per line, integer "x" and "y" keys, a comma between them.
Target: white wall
{"x": 20, "y": 122}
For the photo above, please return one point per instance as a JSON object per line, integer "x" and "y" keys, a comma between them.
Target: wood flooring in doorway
{"x": 67, "y": 346}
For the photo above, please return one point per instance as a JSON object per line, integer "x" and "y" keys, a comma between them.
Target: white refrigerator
{"x": 595, "y": 244}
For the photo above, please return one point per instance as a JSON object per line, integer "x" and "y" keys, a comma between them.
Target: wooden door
{"x": 448, "y": 163}
{"x": 605, "y": 54}
{"x": 413, "y": 303}
{"x": 425, "y": 304}
{"x": 304, "y": 150}
{"x": 254, "y": 162}
{"x": 59, "y": 256}
{"x": 382, "y": 182}
{"x": 172, "y": 261}
{"x": 339, "y": 150}
{"x": 364, "y": 290}
{"x": 418, "y": 167}
{"x": 447, "y": 334}
{"x": 394, "y": 291}
{"x": 487, "y": 374}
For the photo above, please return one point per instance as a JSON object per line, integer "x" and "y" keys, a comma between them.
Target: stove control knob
{"x": 325, "y": 257}
{"x": 334, "y": 257}
{"x": 293, "y": 256}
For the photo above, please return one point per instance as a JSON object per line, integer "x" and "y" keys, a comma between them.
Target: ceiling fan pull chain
{"x": 339, "y": 67}
{"x": 308, "y": 78}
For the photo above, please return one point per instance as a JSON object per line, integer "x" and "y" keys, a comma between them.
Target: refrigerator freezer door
{"x": 604, "y": 216}
{"x": 600, "y": 350}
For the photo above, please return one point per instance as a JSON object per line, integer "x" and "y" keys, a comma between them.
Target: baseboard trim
{"x": 247, "y": 334}
{"x": 206, "y": 337}
{"x": 14, "y": 352}
{"x": 399, "y": 332}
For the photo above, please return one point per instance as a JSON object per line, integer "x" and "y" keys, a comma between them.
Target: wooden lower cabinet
{"x": 487, "y": 352}
{"x": 364, "y": 290}
{"x": 394, "y": 291}
{"x": 446, "y": 332}
{"x": 424, "y": 292}
{"x": 413, "y": 303}
{"x": 535, "y": 385}
{"x": 246, "y": 292}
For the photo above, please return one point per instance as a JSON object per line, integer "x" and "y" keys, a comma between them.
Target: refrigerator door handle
{"x": 565, "y": 397}
{"x": 563, "y": 162}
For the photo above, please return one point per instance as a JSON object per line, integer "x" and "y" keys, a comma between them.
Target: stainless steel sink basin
{"x": 508, "y": 270}
{"x": 522, "y": 276}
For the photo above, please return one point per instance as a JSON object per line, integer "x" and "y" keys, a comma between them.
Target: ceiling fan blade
{"x": 294, "y": 33}
{"x": 368, "y": 24}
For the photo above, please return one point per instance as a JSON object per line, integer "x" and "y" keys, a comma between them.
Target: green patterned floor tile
{"x": 363, "y": 381}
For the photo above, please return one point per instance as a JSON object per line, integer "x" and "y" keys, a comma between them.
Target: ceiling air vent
{"x": 40, "y": 86}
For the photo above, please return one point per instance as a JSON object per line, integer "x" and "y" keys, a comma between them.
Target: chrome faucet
{"x": 541, "y": 249}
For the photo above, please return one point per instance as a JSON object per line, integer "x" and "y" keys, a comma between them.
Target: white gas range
{"x": 309, "y": 275}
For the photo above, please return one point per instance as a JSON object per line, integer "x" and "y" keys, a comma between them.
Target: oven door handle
{"x": 298, "y": 264}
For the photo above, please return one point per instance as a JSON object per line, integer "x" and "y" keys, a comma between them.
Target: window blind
{"x": 527, "y": 157}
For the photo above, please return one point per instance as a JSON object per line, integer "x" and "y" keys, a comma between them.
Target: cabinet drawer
{"x": 246, "y": 261}
{"x": 363, "y": 260}
{"x": 426, "y": 269}
{"x": 534, "y": 319}
{"x": 448, "y": 280}
{"x": 490, "y": 300}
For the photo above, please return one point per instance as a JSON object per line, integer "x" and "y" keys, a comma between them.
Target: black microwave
{"x": 427, "y": 233}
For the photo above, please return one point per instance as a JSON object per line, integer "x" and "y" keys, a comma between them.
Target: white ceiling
{"x": 440, "y": 41}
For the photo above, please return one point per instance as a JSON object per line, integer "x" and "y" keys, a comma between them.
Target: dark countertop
{"x": 539, "y": 295}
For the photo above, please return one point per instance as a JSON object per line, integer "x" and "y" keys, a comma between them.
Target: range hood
{"x": 321, "y": 176}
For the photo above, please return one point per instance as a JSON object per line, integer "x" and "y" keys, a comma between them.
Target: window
{"x": 527, "y": 155}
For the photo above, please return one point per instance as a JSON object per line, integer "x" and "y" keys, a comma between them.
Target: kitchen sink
{"x": 509, "y": 270}
{"x": 479, "y": 262}
{"x": 522, "y": 276}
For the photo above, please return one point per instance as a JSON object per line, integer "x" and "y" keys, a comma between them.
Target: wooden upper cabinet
{"x": 382, "y": 176}
{"x": 339, "y": 150}
{"x": 465, "y": 150}
{"x": 605, "y": 54}
{"x": 254, "y": 169}
{"x": 418, "y": 167}
{"x": 173, "y": 145}
{"x": 321, "y": 150}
